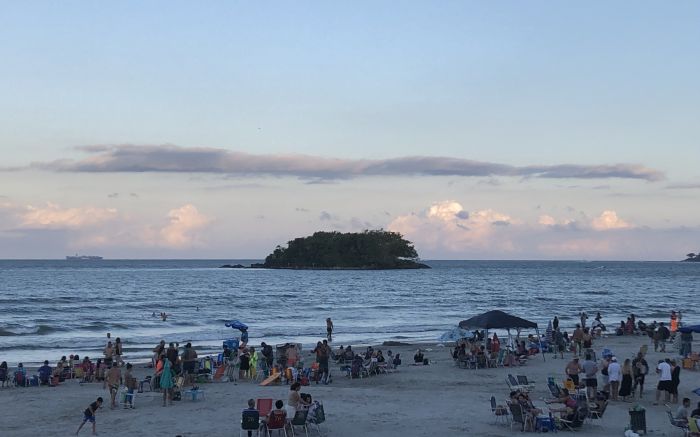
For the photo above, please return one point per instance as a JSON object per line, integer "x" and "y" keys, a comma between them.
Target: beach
{"x": 438, "y": 399}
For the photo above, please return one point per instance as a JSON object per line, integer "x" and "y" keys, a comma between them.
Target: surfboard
{"x": 270, "y": 379}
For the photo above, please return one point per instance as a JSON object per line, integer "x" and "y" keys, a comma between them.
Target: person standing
{"x": 577, "y": 338}
{"x": 113, "y": 380}
{"x": 189, "y": 358}
{"x": 131, "y": 385}
{"x": 640, "y": 368}
{"x": 584, "y": 317}
{"x": 329, "y": 329}
{"x": 675, "y": 380}
{"x": 118, "y": 351}
{"x": 663, "y": 336}
{"x": 663, "y": 369}
{"x": 590, "y": 369}
{"x": 89, "y": 416}
{"x": 573, "y": 369}
{"x": 166, "y": 381}
{"x": 614, "y": 377}
{"x": 627, "y": 376}
{"x": 555, "y": 323}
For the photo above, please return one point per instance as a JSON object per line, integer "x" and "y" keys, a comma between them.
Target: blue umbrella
{"x": 236, "y": 324}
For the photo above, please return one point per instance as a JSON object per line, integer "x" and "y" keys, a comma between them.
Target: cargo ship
{"x": 77, "y": 257}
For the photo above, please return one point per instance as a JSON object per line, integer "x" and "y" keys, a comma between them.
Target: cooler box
{"x": 231, "y": 343}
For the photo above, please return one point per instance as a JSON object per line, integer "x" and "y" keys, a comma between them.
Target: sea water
{"x": 56, "y": 307}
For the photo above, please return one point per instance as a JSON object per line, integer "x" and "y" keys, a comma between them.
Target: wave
{"x": 36, "y": 330}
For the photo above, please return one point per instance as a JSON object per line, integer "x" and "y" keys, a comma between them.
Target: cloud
{"x": 53, "y": 216}
{"x": 324, "y": 216}
{"x": 447, "y": 229}
{"x": 181, "y": 231}
{"x": 169, "y": 158}
{"x": 690, "y": 186}
{"x": 113, "y": 195}
{"x": 609, "y": 220}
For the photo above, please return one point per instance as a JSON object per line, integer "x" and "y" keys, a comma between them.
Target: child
{"x": 90, "y": 416}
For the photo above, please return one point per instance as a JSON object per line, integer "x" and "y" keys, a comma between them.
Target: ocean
{"x": 50, "y": 308}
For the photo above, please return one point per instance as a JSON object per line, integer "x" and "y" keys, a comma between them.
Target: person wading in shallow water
{"x": 329, "y": 329}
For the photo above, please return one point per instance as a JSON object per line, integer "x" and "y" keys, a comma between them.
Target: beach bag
{"x": 304, "y": 380}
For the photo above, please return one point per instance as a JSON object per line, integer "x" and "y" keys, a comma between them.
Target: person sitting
{"x": 696, "y": 412}
{"x": 527, "y": 406}
{"x": 418, "y": 357}
{"x": 277, "y": 418}
{"x": 380, "y": 356}
{"x": 45, "y": 373}
{"x": 569, "y": 403}
{"x": 21, "y": 375}
{"x": 251, "y": 411}
{"x": 680, "y": 418}
{"x": 348, "y": 355}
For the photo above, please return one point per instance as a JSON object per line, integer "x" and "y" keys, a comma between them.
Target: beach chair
{"x": 683, "y": 426}
{"x": 554, "y": 389}
{"x": 523, "y": 382}
{"x": 264, "y": 406}
{"x": 597, "y": 411}
{"x": 693, "y": 429}
{"x": 316, "y": 416}
{"x": 501, "y": 358}
{"x": 126, "y": 399}
{"x": 250, "y": 421}
{"x": 499, "y": 411}
{"x": 513, "y": 383}
{"x": 276, "y": 423}
{"x": 518, "y": 416}
{"x": 299, "y": 419}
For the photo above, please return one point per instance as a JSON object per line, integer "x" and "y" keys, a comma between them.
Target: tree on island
{"x": 371, "y": 249}
{"x": 692, "y": 257}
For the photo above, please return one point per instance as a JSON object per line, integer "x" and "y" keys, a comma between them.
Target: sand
{"x": 434, "y": 400}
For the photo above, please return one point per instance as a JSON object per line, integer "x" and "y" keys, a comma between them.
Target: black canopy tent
{"x": 499, "y": 320}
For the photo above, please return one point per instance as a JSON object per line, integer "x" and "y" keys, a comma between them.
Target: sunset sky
{"x": 479, "y": 130}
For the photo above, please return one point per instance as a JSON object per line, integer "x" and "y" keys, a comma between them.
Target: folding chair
{"x": 250, "y": 421}
{"x": 499, "y": 411}
{"x": 518, "y": 416}
{"x": 683, "y": 426}
{"x": 264, "y": 406}
{"x": 299, "y": 419}
{"x": 523, "y": 382}
{"x": 319, "y": 416}
{"x": 276, "y": 423}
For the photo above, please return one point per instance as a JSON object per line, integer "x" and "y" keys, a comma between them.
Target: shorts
{"x": 87, "y": 418}
{"x": 113, "y": 388}
{"x": 665, "y": 386}
{"x": 188, "y": 366}
{"x": 323, "y": 365}
{"x": 592, "y": 382}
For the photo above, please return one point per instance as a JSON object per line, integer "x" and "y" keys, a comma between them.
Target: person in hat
{"x": 614, "y": 377}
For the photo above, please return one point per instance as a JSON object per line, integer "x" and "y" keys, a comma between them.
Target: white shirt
{"x": 665, "y": 371}
{"x": 614, "y": 372}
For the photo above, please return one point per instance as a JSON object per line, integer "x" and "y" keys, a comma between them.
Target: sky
{"x": 478, "y": 130}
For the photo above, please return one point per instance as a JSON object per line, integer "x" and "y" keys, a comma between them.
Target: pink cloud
{"x": 53, "y": 216}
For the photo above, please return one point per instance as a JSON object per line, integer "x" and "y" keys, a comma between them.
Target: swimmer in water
{"x": 164, "y": 316}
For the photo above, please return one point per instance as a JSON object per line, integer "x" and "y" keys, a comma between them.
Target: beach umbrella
{"x": 455, "y": 334}
{"x": 549, "y": 333}
{"x": 237, "y": 324}
{"x": 691, "y": 328}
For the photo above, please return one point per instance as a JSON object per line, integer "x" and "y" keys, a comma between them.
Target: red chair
{"x": 264, "y": 406}
{"x": 277, "y": 421}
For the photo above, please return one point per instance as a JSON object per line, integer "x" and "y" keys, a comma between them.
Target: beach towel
{"x": 166, "y": 376}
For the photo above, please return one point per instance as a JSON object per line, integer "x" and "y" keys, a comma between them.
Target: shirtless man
{"x": 113, "y": 380}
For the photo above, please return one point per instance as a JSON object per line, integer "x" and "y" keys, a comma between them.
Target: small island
{"x": 368, "y": 250}
{"x": 691, "y": 257}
